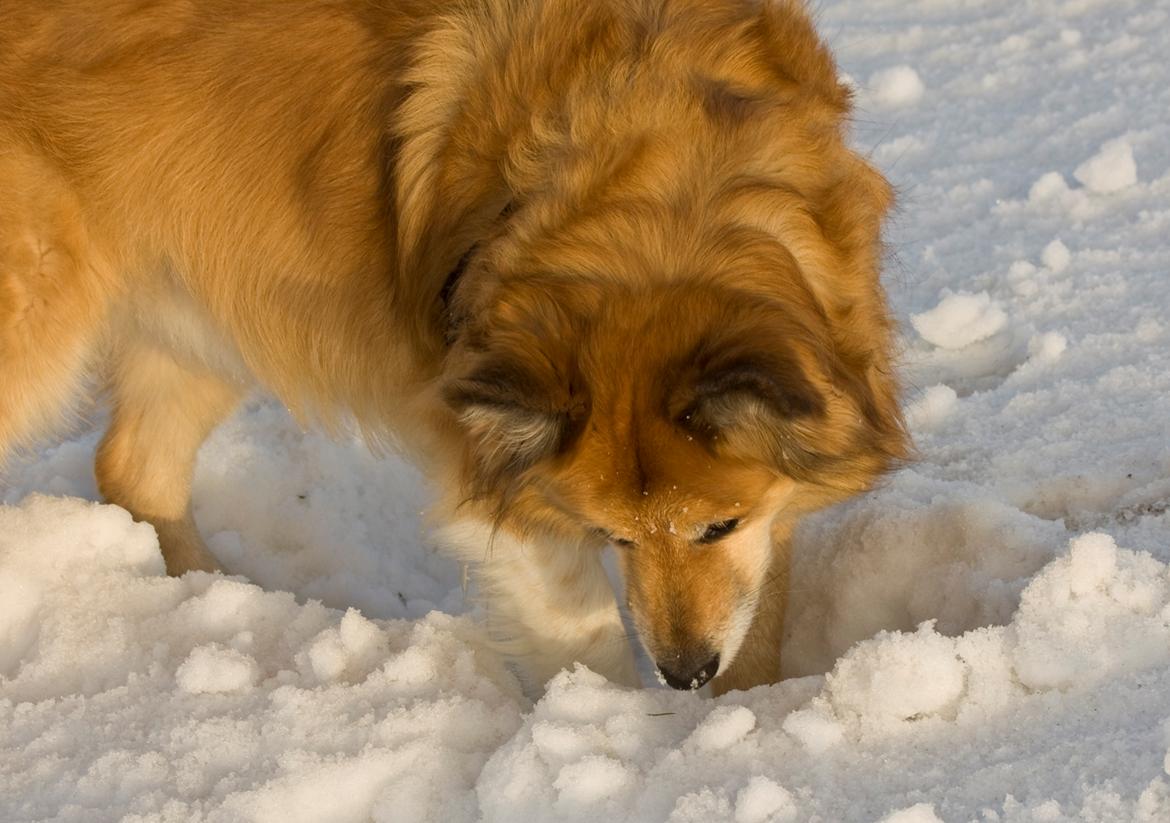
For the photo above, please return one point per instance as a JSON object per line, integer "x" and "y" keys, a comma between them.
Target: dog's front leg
{"x": 549, "y": 603}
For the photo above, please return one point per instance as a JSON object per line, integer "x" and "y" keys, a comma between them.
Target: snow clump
{"x": 1056, "y": 256}
{"x": 724, "y": 727}
{"x": 213, "y": 669}
{"x": 959, "y": 320}
{"x": 918, "y": 813}
{"x": 1111, "y": 169}
{"x": 932, "y": 407}
{"x": 1097, "y": 612}
{"x": 764, "y": 801}
{"x": 896, "y": 87}
{"x": 897, "y": 676}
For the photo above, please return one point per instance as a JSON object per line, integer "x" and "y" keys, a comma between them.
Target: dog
{"x": 607, "y": 271}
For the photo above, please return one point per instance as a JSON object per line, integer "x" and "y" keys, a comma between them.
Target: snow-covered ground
{"x": 987, "y": 637}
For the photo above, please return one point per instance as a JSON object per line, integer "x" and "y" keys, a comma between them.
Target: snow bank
{"x": 130, "y": 695}
{"x": 405, "y": 733}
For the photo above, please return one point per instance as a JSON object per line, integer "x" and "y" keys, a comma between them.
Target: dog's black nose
{"x": 691, "y": 681}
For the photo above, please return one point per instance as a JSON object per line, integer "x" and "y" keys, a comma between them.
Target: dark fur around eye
{"x": 717, "y": 531}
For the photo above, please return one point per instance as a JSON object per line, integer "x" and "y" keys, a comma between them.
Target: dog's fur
{"x": 607, "y": 270}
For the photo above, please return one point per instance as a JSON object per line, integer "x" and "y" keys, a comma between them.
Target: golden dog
{"x": 606, "y": 269}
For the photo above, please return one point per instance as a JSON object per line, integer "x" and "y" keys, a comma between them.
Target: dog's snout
{"x": 685, "y": 676}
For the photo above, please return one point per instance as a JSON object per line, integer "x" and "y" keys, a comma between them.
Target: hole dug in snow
{"x": 933, "y": 550}
{"x": 1095, "y": 613}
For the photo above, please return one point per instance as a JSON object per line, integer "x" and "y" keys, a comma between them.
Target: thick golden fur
{"x": 606, "y": 269}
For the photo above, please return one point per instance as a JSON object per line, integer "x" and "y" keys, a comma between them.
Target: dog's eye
{"x": 718, "y": 530}
{"x": 621, "y": 541}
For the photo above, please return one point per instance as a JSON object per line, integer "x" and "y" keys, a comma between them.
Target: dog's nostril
{"x": 692, "y": 681}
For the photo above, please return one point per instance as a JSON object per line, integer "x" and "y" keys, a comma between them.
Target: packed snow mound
{"x": 1095, "y": 613}
{"x": 897, "y": 677}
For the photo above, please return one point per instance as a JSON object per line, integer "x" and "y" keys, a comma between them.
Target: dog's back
{"x": 188, "y": 204}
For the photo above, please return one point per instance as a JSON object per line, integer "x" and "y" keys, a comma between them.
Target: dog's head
{"x": 667, "y": 330}
{"x": 683, "y": 423}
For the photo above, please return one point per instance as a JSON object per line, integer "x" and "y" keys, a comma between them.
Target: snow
{"x": 935, "y": 404}
{"x": 896, "y": 677}
{"x": 594, "y": 780}
{"x": 918, "y": 813}
{"x": 142, "y": 694}
{"x": 1056, "y": 256}
{"x": 761, "y": 801}
{"x": 895, "y": 87}
{"x": 724, "y": 727}
{"x": 213, "y": 669}
{"x": 985, "y": 637}
{"x": 813, "y": 728}
{"x": 1046, "y": 347}
{"x": 1111, "y": 615}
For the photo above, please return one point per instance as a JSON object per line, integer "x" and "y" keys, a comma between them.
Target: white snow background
{"x": 985, "y": 638}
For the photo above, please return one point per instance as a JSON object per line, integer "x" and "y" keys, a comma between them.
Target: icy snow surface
{"x": 987, "y": 637}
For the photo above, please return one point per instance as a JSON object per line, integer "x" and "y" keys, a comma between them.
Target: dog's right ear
{"x": 512, "y": 419}
{"x": 750, "y": 403}
{"x": 734, "y": 395}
